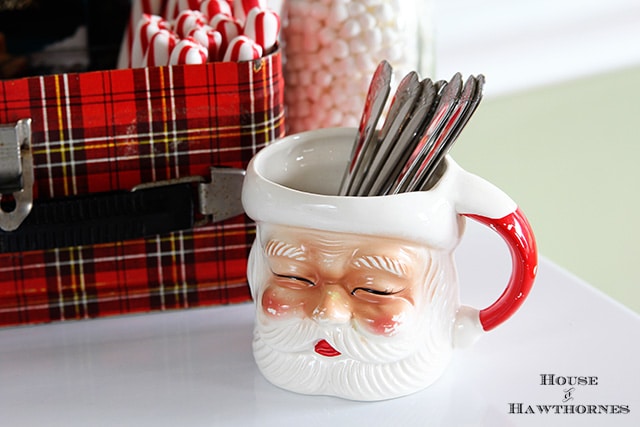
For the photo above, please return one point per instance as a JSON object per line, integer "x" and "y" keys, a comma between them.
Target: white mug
{"x": 357, "y": 297}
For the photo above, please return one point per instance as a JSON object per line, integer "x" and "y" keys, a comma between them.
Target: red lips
{"x": 323, "y": 348}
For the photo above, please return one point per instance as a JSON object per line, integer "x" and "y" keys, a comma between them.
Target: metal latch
{"x": 16, "y": 174}
{"x": 218, "y": 199}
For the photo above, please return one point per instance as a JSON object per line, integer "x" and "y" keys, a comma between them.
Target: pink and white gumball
{"x": 187, "y": 20}
{"x": 242, "y": 48}
{"x": 211, "y": 8}
{"x": 263, "y": 26}
{"x": 188, "y": 51}
{"x": 160, "y": 47}
{"x": 241, "y": 8}
{"x": 210, "y": 39}
{"x": 147, "y": 26}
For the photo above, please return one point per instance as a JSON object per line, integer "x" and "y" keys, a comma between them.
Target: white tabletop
{"x": 195, "y": 368}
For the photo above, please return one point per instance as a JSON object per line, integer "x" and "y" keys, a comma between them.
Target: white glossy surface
{"x": 194, "y": 368}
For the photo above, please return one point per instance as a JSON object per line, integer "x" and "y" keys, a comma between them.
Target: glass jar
{"x": 332, "y": 48}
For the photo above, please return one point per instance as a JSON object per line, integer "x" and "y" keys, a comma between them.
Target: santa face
{"x": 349, "y": 315}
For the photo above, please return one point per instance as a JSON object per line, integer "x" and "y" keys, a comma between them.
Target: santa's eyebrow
{"x": 382, "y": 262}
{"x": 279, "y": 248}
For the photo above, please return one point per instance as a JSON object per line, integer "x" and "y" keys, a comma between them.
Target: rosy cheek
{"x": 280, "y": 303}
{"x": 387, "y": 321}
{"x": 384, "y": 325}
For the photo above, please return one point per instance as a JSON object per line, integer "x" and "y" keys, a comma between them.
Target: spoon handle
{"x": 470, "y": 101}
{"x": 399, "y": 152}
{"x": 402, "y": 105}
{"x": 377, "y": 95}
{"x": 448, "y": 100}
{"x": 429, "y": 161}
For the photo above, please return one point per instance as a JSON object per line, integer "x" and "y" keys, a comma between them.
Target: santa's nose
{"x": 334, "y": 306}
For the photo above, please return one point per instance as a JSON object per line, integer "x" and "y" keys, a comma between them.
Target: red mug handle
{"x": 516, "y": 231}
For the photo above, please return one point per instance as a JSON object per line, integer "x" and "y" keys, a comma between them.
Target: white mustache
{"x": 301, "y": 335}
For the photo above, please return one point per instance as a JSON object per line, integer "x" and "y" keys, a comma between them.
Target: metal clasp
{"x": 16, "y": 174}
{"x": 218, "y": 199}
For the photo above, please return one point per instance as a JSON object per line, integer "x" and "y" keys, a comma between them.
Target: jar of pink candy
{"x": 332, "y": 48}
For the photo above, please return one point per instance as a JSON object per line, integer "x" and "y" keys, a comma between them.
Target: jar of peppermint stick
{"x": 332, "y": 48}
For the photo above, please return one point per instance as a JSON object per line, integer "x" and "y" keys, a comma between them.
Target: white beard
{"x": 288, "y": 360}
{"x": 369, "y": 367}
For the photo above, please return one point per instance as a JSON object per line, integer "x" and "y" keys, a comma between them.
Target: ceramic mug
{"x": 357, "y": 297}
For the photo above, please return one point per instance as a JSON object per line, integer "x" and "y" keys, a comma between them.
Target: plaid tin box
{"x": 107, "y": 132}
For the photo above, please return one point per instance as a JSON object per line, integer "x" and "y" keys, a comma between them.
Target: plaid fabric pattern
{"x": 104, "y": 131}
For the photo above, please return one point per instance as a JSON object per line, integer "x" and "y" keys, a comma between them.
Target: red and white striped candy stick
{"x": 147, "y": 27}
{"x": 227, "y": 26}
{"x": 188, "y": 51}
{"x": 171, "y": 10}
{"x": 138, "y": 8}
{"x": 211, "y": 8}
{"x": 189, "y": 4}
{"x": 241, "y": 8}
{"x": 210, "y": 39}
{"x": 174, "y": 7}
{"x": 160, "y": 47}
{"x": 263, "y": 26}
{"x": 187, "y": 20}
{"x": 242, "y": 48}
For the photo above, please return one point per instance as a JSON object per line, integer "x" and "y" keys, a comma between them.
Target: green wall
{"x": 569, "y": 155}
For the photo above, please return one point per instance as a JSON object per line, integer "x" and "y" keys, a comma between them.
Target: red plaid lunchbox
{"x": 120, "y": 188}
